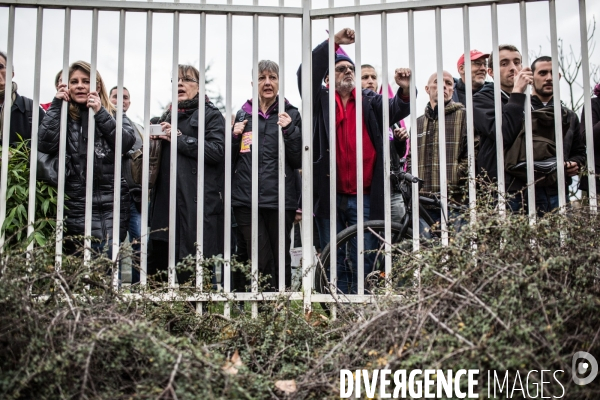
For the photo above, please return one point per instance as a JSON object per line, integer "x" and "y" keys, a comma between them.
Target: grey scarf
{"x": 14, "y": 97}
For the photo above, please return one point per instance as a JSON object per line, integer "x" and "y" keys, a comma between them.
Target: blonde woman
{"x": 81, "y": 96}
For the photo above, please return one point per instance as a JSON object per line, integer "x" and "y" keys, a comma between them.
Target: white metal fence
{"x": 307, "y": 15}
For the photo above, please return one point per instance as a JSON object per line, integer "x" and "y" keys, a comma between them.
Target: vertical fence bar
{"x": 227, "y": 203}
{"x": 35, "y": 126}
{"x": 442, "y": 125}
{"x": 528, "y": 127}
{"x": 62, "y": 146}
{"x": 6, "y": 128}
{"x": 386, "y": 147}
{"x": 469, "y": 105}
{"x": 281, "y": 149}
{"x": 560, "y": 170}
{"x": 360, "y": 215}
{"x": 91, "y": 138}
{"x": 255, "y": 150}
{"x": 413, "y": 127}
{"x": 498, "y": 104}
{"x": 332, "y": 165}
{"x": 173, "y": 172}
{"x": 307, "y": 195}
{"x": 587, "y": 106}
{"x": 118, "y": 152}
{"x": 200, "y": 168}
{"x": 144, "y": 237}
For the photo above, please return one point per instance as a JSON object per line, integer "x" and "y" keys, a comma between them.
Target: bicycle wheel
{"x": 378, "y": 226}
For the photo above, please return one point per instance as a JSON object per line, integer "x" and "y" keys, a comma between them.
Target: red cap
{"x": 475, "y": 55}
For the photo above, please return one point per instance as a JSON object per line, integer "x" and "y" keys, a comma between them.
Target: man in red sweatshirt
{"x": 372, "y": 144}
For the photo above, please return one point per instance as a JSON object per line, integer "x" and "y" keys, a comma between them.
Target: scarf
{"x": 182, "y": 107}
{"x": 14, "y": 97}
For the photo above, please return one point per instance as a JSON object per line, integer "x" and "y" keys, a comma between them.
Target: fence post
{"x": 307, "y": 206}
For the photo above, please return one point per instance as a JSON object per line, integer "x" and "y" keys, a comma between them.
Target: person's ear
{"x": 327, "y": 80}
{"x": 461, "y": 69}
{"x": 490, "y": 72}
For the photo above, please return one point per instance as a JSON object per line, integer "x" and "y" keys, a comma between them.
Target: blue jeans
{"x": 545, "y": 202}
{"x": 135, "y": 232}
{"x": 347, "y": 258}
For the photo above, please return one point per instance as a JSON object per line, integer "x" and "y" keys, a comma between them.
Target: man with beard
{"x": 574, "y": 151}
{"x": 372, "y": 144}
{"x": 478, "y": 74}
{"x": 514, "y": 80}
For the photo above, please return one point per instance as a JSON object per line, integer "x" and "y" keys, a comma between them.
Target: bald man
{"x": 456, "y": 144}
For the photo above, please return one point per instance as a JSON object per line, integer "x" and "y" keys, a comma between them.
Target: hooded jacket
{"x": 484, "y": 121}
{"x": 76, "y": 167}
{"x": 573, "y": 140}
{"x": 268, "y": 158}
{"x": 460, "y": 91}
{"x": 372, "y": 106}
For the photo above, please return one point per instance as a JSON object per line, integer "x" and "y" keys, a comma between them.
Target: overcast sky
{"x": 480, "y": 19}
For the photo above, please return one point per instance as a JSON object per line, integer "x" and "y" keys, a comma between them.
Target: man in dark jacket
{"x": 574, "y": 151}
{"x": 21, "y": 110}
{"x": 514, "y": 80}
{"x": 269, "y": 123}
{"x": 134, "y": 226}
{"x": 346, "y": 124}
{"x": 478, "y": 74}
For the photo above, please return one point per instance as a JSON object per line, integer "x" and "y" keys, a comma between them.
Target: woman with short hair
{"x": 269, "y": 122}
{"x": 187, "y": 179}
{"x": 81, "y": 96}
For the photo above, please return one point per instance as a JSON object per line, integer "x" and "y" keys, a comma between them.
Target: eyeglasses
{"x": 343, "y": 68}
{"x": 479, "y": 63}
{"x": 185, "y": 79}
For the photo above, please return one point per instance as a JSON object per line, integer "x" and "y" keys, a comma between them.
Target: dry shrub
{"x": 523, "y": 298}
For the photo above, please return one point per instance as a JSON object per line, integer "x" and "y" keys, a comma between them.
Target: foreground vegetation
{"x": 522, "y": 299}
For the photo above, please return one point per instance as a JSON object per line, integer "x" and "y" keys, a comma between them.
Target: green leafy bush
{"x": 15, "y": 225}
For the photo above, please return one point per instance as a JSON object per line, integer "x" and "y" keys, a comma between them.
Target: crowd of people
{"x": 515, "y": 81}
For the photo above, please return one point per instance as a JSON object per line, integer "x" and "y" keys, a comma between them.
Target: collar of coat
{"x": 247, "y": 108}
{"x": 432, "y": 113}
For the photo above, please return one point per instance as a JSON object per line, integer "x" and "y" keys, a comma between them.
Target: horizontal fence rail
{"x": 325, "y": 205}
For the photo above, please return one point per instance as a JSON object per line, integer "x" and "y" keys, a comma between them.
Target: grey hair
{"x": 268, "y": 65}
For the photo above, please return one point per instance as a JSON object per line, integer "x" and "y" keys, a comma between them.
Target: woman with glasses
{"x": 82, "y": 96}
{"x": 188, "y": 103}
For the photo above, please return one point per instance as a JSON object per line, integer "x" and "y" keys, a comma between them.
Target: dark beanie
{"x": 343, "y": 57}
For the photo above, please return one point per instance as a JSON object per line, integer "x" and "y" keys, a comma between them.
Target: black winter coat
{"x": 573, "y": 141}
{"x": 20, "y": 122}
{"x": 584, "y": 185}
{"x": 76, "y": 162}
{"x": 268, "y": 158}
{"x": 460, "y": 91}
{"x": 372, "y": 114}
{"x": 484, "y": 121}
{"x": 187, "y": 184}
